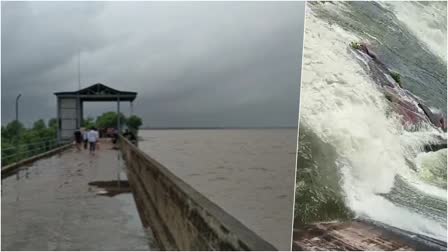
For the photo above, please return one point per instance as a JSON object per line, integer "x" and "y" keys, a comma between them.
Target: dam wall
{"x": 179, "y": 216}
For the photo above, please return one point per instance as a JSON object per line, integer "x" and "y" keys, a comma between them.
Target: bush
{"x": 109, "y": 120}
{"x": 30, "y": 142}
{"x": 396, "y": 77}
{"x": 134, "y": 122}
{"x": 355, "y": 45}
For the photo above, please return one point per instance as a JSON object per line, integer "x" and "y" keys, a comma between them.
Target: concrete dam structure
{"x": 93, "y": 201}
{"x": 181, "y": 217}
{"x": 63, "y": 201}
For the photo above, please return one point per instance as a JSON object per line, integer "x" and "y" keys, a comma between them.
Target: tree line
{"x": 110, "y": 120}
{"x": 19, "y": 142}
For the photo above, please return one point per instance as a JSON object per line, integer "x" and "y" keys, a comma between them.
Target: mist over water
{"x": 356, "y": 158}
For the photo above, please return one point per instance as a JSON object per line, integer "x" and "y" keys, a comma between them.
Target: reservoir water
{"x": 247, "y": 172}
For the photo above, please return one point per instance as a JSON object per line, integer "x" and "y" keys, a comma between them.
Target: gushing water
{"x": 374, "y": 163}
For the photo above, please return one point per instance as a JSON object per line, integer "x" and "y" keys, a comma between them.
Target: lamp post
{"x": 17, "y": 124}
{"x": 17, "y": 107}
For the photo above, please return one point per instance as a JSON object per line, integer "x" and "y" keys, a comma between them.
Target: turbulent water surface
{"x": 356, "y": 157}
{"x": 249, "y": 173}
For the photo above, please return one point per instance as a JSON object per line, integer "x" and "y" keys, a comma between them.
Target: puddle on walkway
{"x": 111, "y": 188}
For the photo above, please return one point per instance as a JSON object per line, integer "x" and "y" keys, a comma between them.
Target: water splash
{"x": 343, "y": 110}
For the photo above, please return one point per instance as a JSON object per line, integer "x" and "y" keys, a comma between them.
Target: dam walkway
{"x": 55, "y": 204}
{"x": 118, "y": 199}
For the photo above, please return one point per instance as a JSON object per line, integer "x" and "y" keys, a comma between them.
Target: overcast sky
{"x": 193, "y": 64}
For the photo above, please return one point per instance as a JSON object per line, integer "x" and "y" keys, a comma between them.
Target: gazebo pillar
{"x": 58, "y": 119}
{"x": 118, "y": 115}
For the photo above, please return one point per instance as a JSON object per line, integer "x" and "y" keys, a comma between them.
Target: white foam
{"x": 380, "y": 209}
{"x": 342, "y": 105}
{"x": 426, "y": 20}
{"x": 427, "y": 162}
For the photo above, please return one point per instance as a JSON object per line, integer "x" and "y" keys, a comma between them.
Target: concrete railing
{"x": 180, "y": 217}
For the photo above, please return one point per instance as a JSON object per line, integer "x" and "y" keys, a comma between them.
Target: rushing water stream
{"x": 356, "y": 157}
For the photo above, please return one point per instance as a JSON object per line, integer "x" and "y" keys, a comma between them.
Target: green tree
{"x": 39, "y": 125}
{"x": 8, "y": 151}
{"x": 12, "y": 130}
{"x": 134, "y": 122}
{"x": 19, "y": 143}
{"x": 4, "y": 138}
{"x": 89, "y": 122}
{"x": 109, "y": 120}
{"x": 53, "y": 123}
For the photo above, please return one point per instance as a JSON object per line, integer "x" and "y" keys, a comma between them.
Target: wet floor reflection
{"x": 51, "y": 206}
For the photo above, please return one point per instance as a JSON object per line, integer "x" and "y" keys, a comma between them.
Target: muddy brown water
{"x": 51, "y": 206}
{"x": 247, "y": 172}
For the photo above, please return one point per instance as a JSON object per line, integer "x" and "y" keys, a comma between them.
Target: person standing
{"x": 98, "y": 136}
{"x": 84, "y": 137}
{"x": 115, "y": 136}
{"x": 92, "y": 137}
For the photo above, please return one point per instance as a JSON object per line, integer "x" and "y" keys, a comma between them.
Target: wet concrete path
{"x": 51, "y": 206}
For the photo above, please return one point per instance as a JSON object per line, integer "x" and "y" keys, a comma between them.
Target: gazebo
{"x": 70, "y": 106}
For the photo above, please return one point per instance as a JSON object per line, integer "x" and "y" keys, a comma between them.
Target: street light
{"x": 17, "y": 107}
{"x": 17, "y": 125}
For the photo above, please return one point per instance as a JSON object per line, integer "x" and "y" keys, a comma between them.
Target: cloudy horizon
{"x": 193, "y": 64}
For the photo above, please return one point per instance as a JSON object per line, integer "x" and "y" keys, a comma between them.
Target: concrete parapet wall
{"x": 180, "y": 217}
{"x": 14, "y": 167}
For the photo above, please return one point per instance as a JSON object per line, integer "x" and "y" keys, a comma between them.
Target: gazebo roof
{"x": 99, "y": 92}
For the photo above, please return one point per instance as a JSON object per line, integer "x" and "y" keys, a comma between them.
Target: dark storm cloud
{"x": 193, "y": 64}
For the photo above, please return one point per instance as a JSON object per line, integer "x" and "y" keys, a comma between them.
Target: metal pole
{"x": 17, "y": 107}
{"x": 79, "y": 69}
{"x": 17, "y": 122}
{"x": 78, "y": 112}
{"x": 78, "y": 104}
{"x": 118, "y": 115}
{"x": 58, "y": 113}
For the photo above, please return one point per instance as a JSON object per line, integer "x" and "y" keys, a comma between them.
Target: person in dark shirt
{"x": 78, "y": 139}
{"x": 114, "y": 136}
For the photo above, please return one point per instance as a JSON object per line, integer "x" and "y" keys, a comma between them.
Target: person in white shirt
{"x": 84, "y": 137}
{"x": 92, "y": 138}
